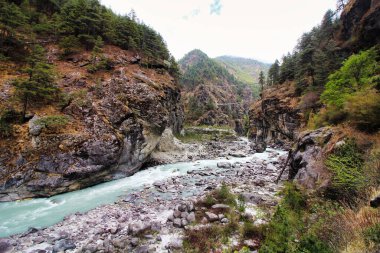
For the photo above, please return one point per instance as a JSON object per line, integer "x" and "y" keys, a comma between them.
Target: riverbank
{"x": 118, "y": 227}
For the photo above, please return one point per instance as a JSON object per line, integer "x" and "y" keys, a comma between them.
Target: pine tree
{"x": 39, "y": 87}
{"x": 262, "y": 81}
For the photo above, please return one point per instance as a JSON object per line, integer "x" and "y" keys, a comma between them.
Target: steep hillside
{"x": 211, "y": 95}
{"x": 322, "y": 103}
{"x": 77, "y": 108}
{"x": 245, "y": 70}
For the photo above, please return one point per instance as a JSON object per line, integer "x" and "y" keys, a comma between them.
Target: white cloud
{"x": 263, "y": 30}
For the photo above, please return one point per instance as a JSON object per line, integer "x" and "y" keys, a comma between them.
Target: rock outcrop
{"x": 116, "y": 119}
{"x": 307, "y": 156}
{"x": 275, "y": 119}
{"x": 359, "y": 25}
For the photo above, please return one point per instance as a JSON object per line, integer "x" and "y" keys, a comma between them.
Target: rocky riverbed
{"x": 153, "y": 219}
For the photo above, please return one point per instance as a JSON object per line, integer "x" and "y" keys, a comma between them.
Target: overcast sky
{"x": 258, "y": 29}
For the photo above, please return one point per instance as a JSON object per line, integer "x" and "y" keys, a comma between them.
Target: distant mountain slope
{"x": 211, "y": 94}
{"x": 245, "y": 70}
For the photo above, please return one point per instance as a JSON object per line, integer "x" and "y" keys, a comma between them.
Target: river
{"x": 17, "y": 217}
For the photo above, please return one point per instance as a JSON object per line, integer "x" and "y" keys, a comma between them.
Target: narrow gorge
{"x": 108, "y": 144}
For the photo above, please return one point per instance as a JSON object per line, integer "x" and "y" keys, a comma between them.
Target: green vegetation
{"x": 346, "y": 166}
{"x": 53, "y": 123}
{"x": 289, "y": 231}
{"x": 39, "y": 87}
{"x": 75, "y": 24}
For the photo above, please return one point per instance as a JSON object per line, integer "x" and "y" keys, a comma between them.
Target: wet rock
{"x": 63, "y": 245}
{"x": 211, "y": 216}
{"x": 5, "y": 246}
{"x": 224, "y": 165}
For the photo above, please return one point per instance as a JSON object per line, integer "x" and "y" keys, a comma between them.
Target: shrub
{"x": 69, "y": 45}
{"x": 53, "y": 123}
{"x": 225, "y": 196}
{"x": 311, "y": 244}
{"x": 372, "y": 235}
{"x": 363, "y": 110}
{"x": 346, "y": 166}
{"x": 6, "y": 129}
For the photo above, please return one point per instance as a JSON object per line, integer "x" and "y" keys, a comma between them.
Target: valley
{"x": 110, "y": 144}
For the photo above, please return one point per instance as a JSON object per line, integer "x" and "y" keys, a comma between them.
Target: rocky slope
{"x": 276, "y": 118}
{"x": 211, "y": 95}
{"x": 115, "y": 120}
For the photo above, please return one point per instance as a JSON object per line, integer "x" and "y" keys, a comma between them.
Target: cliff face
{"x": 116, "y": 119}
{"x": 359, "y": 24}
{"x": 275, "y": 119}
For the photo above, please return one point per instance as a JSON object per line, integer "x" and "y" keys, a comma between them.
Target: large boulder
{"x": 307, "y": 156}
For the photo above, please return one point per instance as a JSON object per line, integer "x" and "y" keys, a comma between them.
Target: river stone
{"x": 184, "y": 214}
{"x": 177, "y": 214}
{"x": 184, "y": 222}
{"x": 224, "y": 220}
{"x": 134, "y": 242}
{"x": 191, "y": 217}
{"x": 175, "y": 244}
{"x": 137, "y": 227}
{"x": 224, "y": 165}
{"x": 63, "y": 245}
{"x": 211, "y": 216}
{"x": 142, "y": 249}
{"x": 177, "y": 222}
{"x": 220, "y": 206}
{"x": 5, "y": 246}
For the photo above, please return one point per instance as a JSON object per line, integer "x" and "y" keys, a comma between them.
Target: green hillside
{"x": 245, "y": 70}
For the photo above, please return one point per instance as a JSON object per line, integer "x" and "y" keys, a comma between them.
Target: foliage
{"x": 39, "y": 87}
{"x": 372, "y": 234}
{"x": 274, "y": 74}
{"x": 357, "y": 73}
{"x": 53, "y": 122}
{"x": 69, "y": 45}
{"x": 352, "y": 94}
{"x": 83, "y": 21}
{"x": 288, "y": 231}
{"x": 346, "y": 166}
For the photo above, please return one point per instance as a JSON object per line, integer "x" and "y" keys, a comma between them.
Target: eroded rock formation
{"x": 116, "y": 120}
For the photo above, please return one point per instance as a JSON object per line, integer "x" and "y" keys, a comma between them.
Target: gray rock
{"x": 119, "y": 243}
{"x": 63, "y": 245}
{"x": 184, "y": 214}
{"x": 175, "y": 244}
{"x": 211, "y": 216}
{"x": 224, "y": 220}
{"x": 220, "y": 206}
{"x": 177, "y": 214}
{"x": 184, "y": 222}
{"x": 134, "y": 242}
{"x": 177, "y": 223}
{"x": 137, "y": 227}
{"x": 34, "y": 128}
{"x": 5, "y": 246}
{"x": 191, "y": 217}
{"x": 224, "y": 165}
{"x": 143, "y": 249}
